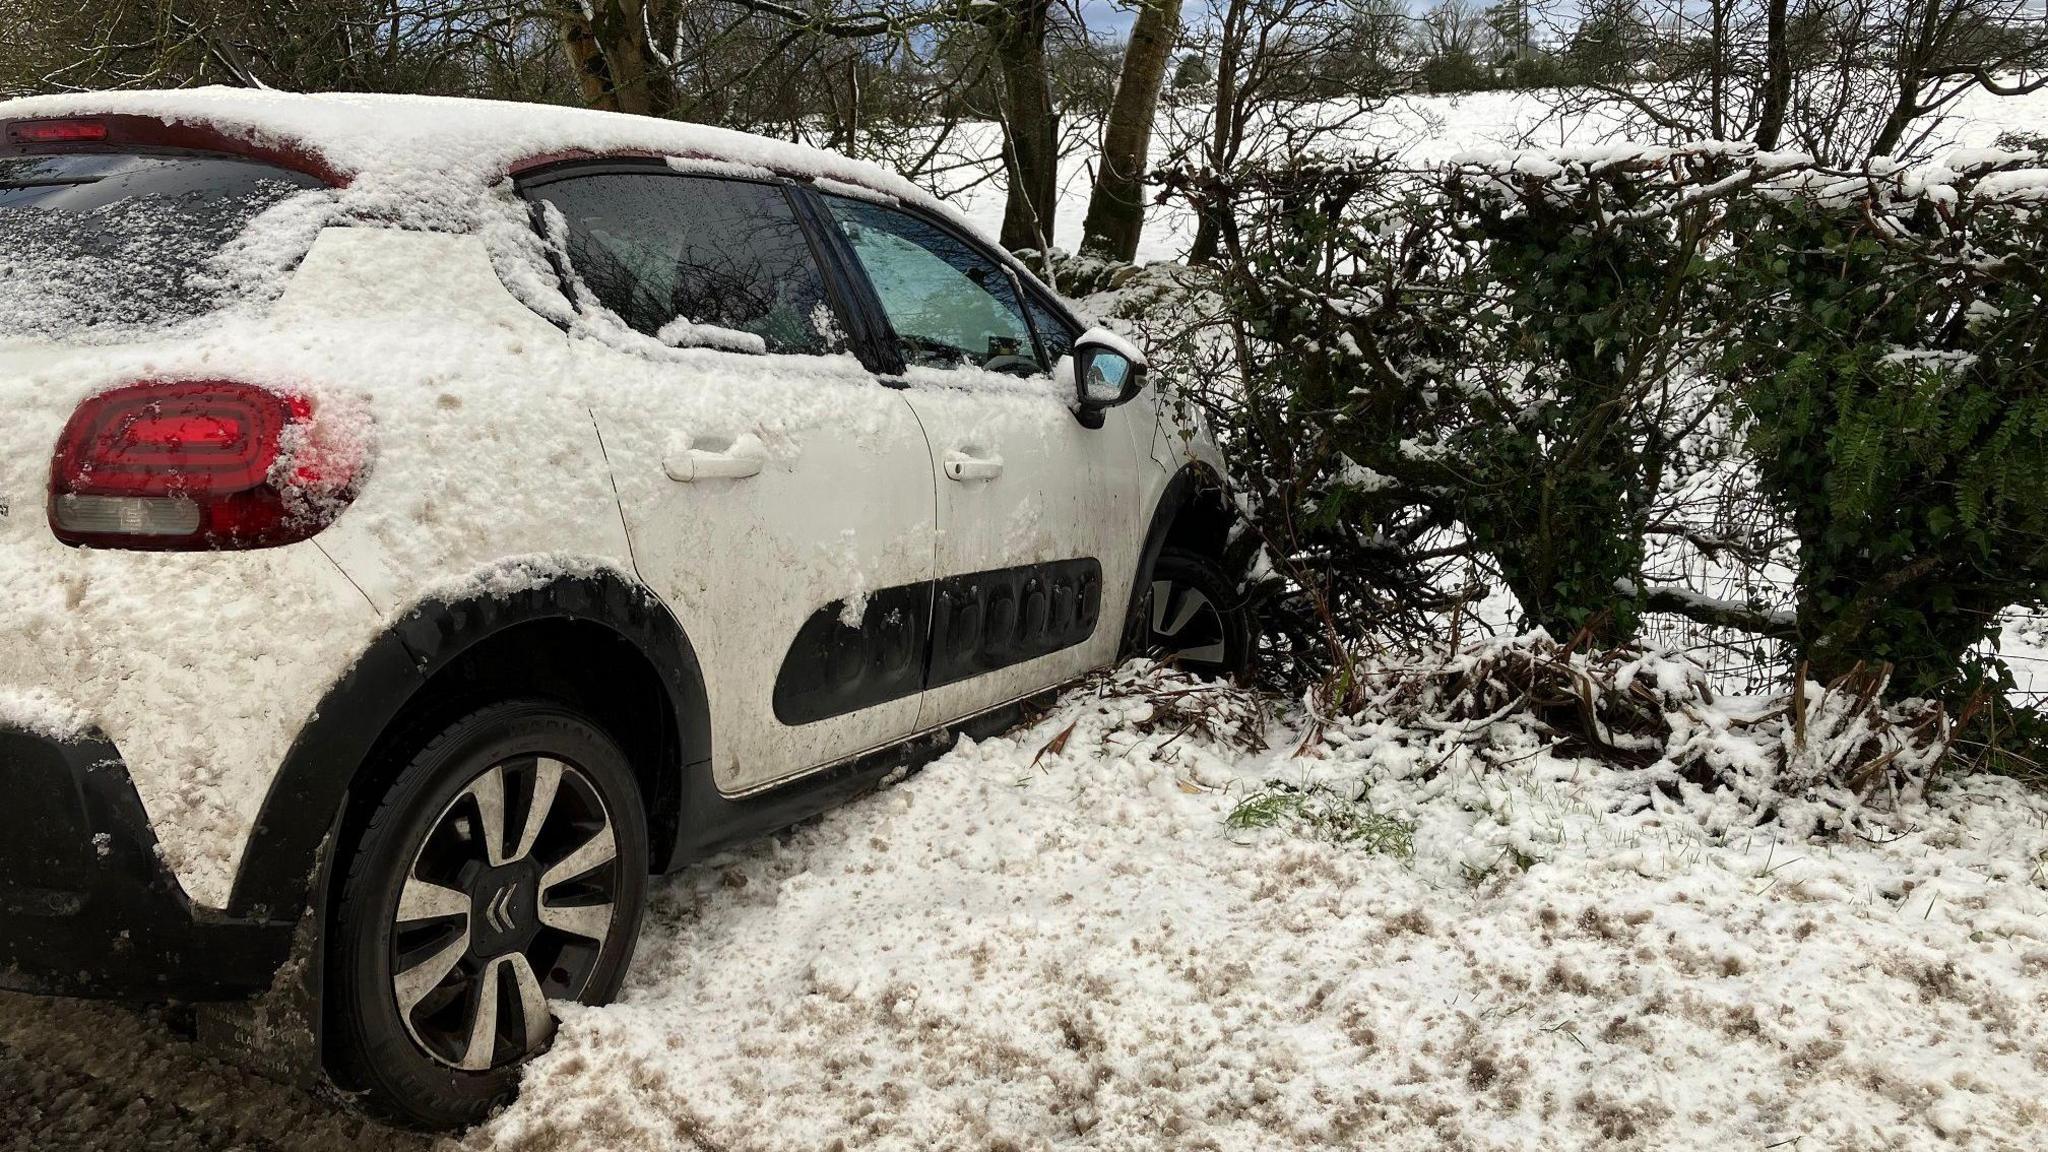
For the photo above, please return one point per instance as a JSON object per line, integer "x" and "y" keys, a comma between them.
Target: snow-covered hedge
{"x": 1888, "y": 366}
{"x": 1572, "y": 374}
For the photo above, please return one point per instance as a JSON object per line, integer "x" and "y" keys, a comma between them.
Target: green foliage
{"x": 1613, "y": 40}
{"x": 1468, "y": 347}
{"x": 1596, "y": 294}
{"x": 1505, "y": 368}
{"x": 1454, "y": 72}
{"x": 1891, "y": 366}
{"x": 1536, "y": 70}
{"x": 1321, "y": 813}
{"x": 1194, "y": 78}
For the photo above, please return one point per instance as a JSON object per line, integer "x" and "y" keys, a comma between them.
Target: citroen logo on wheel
{"x": 499, "y": 914}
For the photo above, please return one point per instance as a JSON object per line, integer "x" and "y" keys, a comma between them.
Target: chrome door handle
{"x": 962, "y": 467}
{"x": 696, "y": 464}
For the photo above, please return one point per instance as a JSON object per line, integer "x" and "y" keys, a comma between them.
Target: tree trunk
{"x": 587, "y": 59}
{"x": 1030, "y": 126}
{"x": 1770, "y": 125}
{"x": 616, "y": 67}
{"x": 1927, "y": 22}
{"x": 1223, "y": 143}
{"x": 1116, "y": 209}
{"x": 1902, "y": 115}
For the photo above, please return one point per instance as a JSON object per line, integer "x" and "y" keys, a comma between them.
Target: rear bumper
{"x": 87, "y": 905}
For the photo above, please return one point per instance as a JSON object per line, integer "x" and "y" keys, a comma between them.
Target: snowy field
{"x": 1422, "y": 129}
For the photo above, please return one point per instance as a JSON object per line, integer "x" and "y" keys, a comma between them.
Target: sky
{"x": 1107, "y": 19}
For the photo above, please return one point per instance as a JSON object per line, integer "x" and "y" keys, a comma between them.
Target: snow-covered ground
{"x": 1062, "y": 939}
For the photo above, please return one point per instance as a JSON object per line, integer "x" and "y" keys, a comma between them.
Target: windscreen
{"x": 103, "y": 244}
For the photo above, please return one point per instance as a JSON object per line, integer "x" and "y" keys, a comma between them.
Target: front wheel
{"x": 1196, "y": 618}
{"x": 506, "y": 868}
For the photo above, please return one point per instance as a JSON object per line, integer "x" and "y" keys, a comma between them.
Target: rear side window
{"x": 693, "y": 260}
{"x": 95, "y": 242}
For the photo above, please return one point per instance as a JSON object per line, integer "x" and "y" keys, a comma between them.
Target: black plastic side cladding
{"x": 832, "y": 669}
{"x": 88, "y": 906}
{"x": 991, "y": 620}
{"x": 930, "y": 634}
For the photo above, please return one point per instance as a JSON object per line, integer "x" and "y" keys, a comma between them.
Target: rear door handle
{"x": 693, "y": 464}
{"x": 962, "y": 467}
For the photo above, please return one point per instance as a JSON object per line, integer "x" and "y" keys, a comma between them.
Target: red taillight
{"x": 195, "y": 465}
{"x": 57, "y": 131}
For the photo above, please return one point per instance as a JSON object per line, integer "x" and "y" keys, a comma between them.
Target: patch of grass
{"x": 1320, "y": 813}
{"x": 1265, "y": 809}
{"x": 1510, "y": 857}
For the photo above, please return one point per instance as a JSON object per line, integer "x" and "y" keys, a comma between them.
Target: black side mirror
{"x": 1108, "y": 371}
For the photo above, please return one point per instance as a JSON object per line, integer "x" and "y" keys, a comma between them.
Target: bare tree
{"x": 1839, "y": 79}
{"x": 1116, "y": 210}
{"x": 1941, "y": 50}
{"x": 463, "y": 47}
{"x": 1453, "y": 28}
{"x": 1275, "y": 61}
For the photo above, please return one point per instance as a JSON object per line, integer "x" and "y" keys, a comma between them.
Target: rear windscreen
{"x": 102, "y": 244}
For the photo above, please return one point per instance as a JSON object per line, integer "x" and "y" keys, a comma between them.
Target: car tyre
{"x": 1196, "y": 618}
{"x": 461, "y": 916}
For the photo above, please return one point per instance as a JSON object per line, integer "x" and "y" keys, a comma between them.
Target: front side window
{"x": 694, "y": 260}
{"x": 1054, "y": 334}
{"x": 951, "y": 306}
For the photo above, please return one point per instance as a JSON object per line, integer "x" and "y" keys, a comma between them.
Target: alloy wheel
{"x": 507, "y": 905}
{"x": 1187, "y": 626}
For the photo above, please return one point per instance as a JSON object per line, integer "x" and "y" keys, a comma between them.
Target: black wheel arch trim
{"x": 1183, "y": 491}
{"x": 311, "y": 788}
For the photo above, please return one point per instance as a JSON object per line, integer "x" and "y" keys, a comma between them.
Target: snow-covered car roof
{"x": 389, "y": 146}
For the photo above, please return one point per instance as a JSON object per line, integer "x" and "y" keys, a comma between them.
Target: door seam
{"x": 931, "y": 607}
{"x": 618, "y": 502}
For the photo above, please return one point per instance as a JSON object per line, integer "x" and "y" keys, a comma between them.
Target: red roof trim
{"x": 567, "y": 155}
{"x": 127, "y": 131}
{"x": 574, "y": 155}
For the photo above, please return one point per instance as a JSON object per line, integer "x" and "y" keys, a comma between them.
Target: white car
{"x": 421, "y": 520}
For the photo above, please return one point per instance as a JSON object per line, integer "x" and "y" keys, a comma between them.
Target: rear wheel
{"x": 1195, "y": 617}
{"x": 506, "y": 868}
